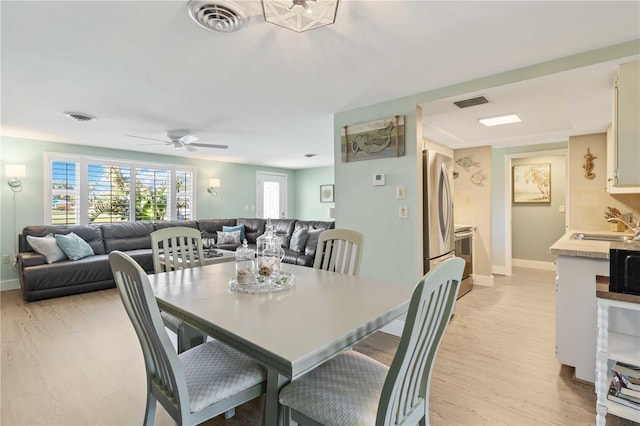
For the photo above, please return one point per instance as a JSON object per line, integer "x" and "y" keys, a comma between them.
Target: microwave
{"x": 624, "y": 270}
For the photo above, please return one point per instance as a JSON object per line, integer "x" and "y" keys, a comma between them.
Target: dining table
{"x": 290, "y": 332}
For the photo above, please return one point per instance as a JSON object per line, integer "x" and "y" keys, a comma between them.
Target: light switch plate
{"x": 403, "y": 212}
{"x": 378, "y": 179}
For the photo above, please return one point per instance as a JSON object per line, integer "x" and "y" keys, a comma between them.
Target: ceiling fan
{"x": 181, "y": 139}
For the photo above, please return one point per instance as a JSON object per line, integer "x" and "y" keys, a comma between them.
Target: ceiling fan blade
{"x": 151, "y": 139}
{"x": 187, "y": 139}
{"x": 204, "y": 145}
{"x": 188, "y": 148}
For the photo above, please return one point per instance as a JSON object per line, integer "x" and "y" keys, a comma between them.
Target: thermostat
{"x": 378, "y": 179}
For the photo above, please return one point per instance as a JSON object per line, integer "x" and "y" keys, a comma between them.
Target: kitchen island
{"x": 577, "y": 265}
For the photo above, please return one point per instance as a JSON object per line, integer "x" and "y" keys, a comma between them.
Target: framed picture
{"x": 326, "y": 194}
{"x": 531, "y": 183}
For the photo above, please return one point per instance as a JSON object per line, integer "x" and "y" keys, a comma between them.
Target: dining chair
{"x": 174, "y": 248}
{"x": 339, "y": 250}
{"x": 196, "y": 385}
{"x": 353, "y": 389}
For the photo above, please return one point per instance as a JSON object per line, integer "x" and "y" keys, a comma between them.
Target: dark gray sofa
{"x": 41, "y": 280}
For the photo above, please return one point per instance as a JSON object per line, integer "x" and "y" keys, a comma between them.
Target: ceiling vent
{"x": 471, "y": 102}
{"x": 79, "y": 116}
{"x": 222, "y": 16}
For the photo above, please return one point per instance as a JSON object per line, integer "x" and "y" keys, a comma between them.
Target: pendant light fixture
{"x": 300, "y": 15}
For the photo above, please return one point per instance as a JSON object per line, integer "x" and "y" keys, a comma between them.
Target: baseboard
{"x": 534, "y": 264}
{"x": 482, "y": 280}
{"x": 13, "y": 284}
{"x": 395, "y": 328}
{"x": 499, "y": 269}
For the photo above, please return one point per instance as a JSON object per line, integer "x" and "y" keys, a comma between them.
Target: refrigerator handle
{"x": 446, "y": 202}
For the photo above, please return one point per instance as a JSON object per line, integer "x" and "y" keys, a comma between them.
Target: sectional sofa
{"x": 42, "y": 280}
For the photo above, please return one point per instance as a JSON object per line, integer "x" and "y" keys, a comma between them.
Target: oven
{"x": 463, "y": 236}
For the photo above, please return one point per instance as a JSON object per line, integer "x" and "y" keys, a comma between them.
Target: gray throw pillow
{"x": 298, "y": 240}
{"x": 47, "y": 247}
{"x": 229, "y": 237}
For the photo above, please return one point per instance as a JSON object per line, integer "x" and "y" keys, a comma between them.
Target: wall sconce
{"x": 14, "y": 172}
{"x": 213, "y": 184}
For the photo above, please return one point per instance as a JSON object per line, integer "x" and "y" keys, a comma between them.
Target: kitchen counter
{"x": 567, "y": 246}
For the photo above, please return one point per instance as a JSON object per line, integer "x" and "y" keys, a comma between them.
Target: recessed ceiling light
{"x": 310, "y": 155}
{"x": 80, "y": 116}
{"x": 500, "y": 119}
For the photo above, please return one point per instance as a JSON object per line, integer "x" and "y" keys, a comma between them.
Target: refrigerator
{"x": 438, "y": 238}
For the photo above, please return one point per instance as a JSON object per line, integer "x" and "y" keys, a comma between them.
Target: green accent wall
{"x": 306, "y": 193}
{"x": 237, "y": 186}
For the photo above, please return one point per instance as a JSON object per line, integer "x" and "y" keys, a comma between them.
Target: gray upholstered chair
{"x": 196, "y": 385}
{"x": 339, "y": 250}
{"x": 353, "y": 389}
{"x": 174, "y": 248}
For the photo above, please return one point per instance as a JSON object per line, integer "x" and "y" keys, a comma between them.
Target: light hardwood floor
{"x": 76, "y": 361}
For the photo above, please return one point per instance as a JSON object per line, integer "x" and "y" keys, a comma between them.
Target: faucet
{"x": 629, "y": 219}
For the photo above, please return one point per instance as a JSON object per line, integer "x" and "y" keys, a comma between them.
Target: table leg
{"x": 272, "y": 408}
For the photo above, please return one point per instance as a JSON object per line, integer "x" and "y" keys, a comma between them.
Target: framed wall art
{"x": 382, "y": 138}
{"x": 531, "y": 183}
{"x": 326, "y": 194}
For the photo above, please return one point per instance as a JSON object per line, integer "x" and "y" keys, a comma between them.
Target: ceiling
{"x": 144, "y": 68}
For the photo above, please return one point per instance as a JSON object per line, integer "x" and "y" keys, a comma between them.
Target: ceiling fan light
{"x": 298, "y": 15}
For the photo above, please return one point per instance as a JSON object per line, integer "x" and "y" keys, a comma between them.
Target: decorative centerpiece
{"x": 245, "y": 265}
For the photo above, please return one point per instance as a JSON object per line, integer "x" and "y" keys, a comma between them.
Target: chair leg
{"x": 229, "y": 413}
{"x": 181, "y": 339}
{"x": 193, "y": 337}
{"x": 150, "y": 410}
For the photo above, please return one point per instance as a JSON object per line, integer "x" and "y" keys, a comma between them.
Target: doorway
{"x": 531, "y": 228}
{"x": 271, "y": 195}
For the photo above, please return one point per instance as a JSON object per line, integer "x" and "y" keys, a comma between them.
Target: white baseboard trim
{"x": 482, "y": 280}
{"x": 499, "y": 269}
{"x": 13, "y": 284}
{"x": 534, "y": 264}
{"x": 394, "y": 327}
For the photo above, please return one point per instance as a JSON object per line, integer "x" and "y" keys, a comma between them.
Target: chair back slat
{"x": 160, "y": 359}
{"x": 404, "y": 399}
{"x": 175, "y": 248}
{"x": 339, "y": 250}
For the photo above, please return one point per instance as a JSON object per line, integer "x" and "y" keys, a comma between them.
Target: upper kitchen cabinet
{"x": 623, "y": 142}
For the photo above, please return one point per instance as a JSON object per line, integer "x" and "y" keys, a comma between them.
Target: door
{"x": 271, "y": 195}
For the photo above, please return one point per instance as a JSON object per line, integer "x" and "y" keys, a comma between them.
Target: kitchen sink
{"x": 601, "y": 237}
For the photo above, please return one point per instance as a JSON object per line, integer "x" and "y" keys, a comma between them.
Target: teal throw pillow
{"x": 73, "y": 246}
{"x": 47, "y": 247}
{"x": 235, "y": 228}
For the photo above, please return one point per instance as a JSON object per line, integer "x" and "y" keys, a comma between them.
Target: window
{"x": 94, "y": 190}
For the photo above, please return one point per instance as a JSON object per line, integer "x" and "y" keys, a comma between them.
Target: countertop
{"x": 567, "y": 246}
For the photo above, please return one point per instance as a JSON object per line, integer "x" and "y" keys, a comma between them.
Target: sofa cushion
{"x": 92, "y": 234}
{"x": 161, "y": 224}
{"x": 126, "y": 236}
{"x": 284, "y": 228}
{"x": 235, "y": 228}
{"x": 48, "y": 247}
{"x": 211, "y": 226}
{"x": 312, "y": 242}
{"x": 68, "y": 273}
{"x": 253, "y": 228}
{"x": 73, "y": 246}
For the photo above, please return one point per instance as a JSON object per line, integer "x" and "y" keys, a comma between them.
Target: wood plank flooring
{"x": 76, "y": 361}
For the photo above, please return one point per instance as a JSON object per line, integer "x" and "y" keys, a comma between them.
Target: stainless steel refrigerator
{"x": 438, "y": 238}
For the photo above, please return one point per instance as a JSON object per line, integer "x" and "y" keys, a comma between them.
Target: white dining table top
{"x": 290, "y": 331}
